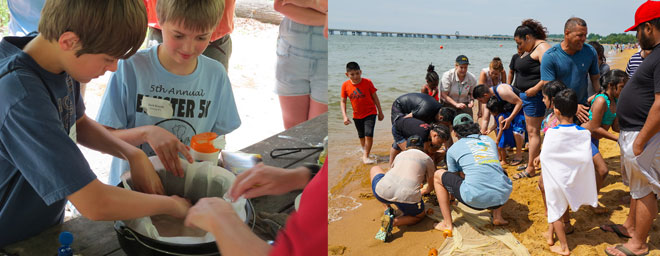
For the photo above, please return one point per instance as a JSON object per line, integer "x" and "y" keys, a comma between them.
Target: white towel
{"x": 568, "y": 171}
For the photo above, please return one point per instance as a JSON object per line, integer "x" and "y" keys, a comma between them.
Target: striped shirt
{"x": 633, "y": 63}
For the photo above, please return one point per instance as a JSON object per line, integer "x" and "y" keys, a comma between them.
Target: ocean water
{"x": 396, "y": 66}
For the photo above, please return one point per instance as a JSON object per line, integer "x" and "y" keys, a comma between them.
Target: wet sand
{"x": 353, "y": 232}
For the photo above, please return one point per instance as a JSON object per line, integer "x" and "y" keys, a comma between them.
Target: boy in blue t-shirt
{"x": 161, "y": 97}
{"x": 42, "y": 117}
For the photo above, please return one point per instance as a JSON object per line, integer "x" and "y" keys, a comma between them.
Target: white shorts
{"x": 641, "y": 173}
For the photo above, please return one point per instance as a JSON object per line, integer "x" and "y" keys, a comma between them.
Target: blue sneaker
{"x": 386, "y": 220}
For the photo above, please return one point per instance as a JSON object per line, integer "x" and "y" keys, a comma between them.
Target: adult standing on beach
{"x": 457, "y": 85}
{"x": 571, "y": 62}
{"x": 302, "y": 60}
{"x": 639, "y": 140}
{"x": 530, "y": 38}
{"x": 635, "y": 60}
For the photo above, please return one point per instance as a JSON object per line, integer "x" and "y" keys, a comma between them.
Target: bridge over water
{"x": 353, "y": 32}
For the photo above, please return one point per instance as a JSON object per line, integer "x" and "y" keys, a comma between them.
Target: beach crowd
{"x": 559, "y": 100}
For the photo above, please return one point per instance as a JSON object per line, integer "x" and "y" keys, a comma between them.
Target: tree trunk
{"x": 261, "y": 10}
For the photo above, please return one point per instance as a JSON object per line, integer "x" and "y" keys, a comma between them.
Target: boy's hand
{"x": 144, "y": 176}
{"x": 207, "y": 211}
{"x": 346, "y": 121}
{"x": 381, "y": 116}
{"x": 167, "y": 148}
{"x": 181, "y": 206}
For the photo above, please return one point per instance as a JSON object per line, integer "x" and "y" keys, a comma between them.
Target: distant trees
{"x": 622, "y": 38}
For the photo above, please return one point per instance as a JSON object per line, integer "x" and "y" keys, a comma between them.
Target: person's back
{"x": 421, "y": 106}
{"x": 486, "y": 184}
{"x": 194, "y": 90}
{"x": 402, "y": 183}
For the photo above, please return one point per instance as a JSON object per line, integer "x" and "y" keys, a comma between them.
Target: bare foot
{"x": 500, "y": 222}
{"x": 620, "y": 249}
{"x": 557, "y": 249}
{"x": 549, "y": 237}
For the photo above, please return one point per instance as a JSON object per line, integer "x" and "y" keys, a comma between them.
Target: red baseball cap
{"x": 647, "y": 11}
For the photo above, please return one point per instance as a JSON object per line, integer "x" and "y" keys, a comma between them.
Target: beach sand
{"x": 353, "y": 233}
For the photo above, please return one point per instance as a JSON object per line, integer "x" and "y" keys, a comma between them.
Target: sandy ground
{"x": 252, "y": 75}
{"x": 524, "y": 211}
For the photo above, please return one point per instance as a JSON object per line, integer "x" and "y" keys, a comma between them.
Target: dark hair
{"x": 352, "y": 66}
{"x": 442, "y": 130}
{"x": 574, "y": 21}
{"x": 655, "y": 22}
{"x": 531, "y": 27}
{"x": 480, "y": 90}
{"x": 463, "y": 130}
{"x": 414, "y": 142}
{"x": 566, "y": 102}
{"x": 599, "y": 50}
{"x": 552, "y": 88}
{"x": 612, "y": 78}
{"x": 494, "y": 105}
{"x": 431, "y": 75}
{"x": 447, "y": 114}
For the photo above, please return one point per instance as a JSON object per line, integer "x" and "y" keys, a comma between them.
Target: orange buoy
{"x": 442, "y": 47}
{"x": 500, "y": 45}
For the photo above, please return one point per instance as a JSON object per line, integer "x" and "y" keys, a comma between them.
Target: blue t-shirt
{"x": 40, "y": 165}
{"x": 201, "y": 102}
{"x": 485, "y": 185}
{"x": 571, "y": 70}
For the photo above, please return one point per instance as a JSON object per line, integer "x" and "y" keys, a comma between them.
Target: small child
{"x": 568, "y": 172}
{"x": 365, "y": 105}
{"x": 504, "y": 138}
{"x": 602, "y": 114}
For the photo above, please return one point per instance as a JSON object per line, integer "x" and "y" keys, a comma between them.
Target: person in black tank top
{"x": 530, "y": 38}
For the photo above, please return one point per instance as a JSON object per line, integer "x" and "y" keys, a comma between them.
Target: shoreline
{"x": 524, "y": 210}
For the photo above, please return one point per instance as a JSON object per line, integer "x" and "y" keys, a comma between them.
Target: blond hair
{"x": 197, "y": 15}
{"x": 113, "y": 27}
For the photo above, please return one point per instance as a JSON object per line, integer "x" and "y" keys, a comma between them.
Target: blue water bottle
{"x": 66, "y": 239}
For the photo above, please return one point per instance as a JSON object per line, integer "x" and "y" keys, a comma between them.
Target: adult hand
{"x": 531, "y": 92}
{"x": 461, "y": 106}
{"x": 268, "y": 180}
{"x": 506, "y": 123}
{"x": 181, "y": 206}
{"x": 381, "y": 116}
{"x": 409, "y": 115}
{"x": 144, "y": 176}
{"x": 346, "y": 121}
{"x": 582, "y": 113}
{"x": 470, "y": 104}
{"x": 167, "y": 147}
{"x": 207, "y": 211}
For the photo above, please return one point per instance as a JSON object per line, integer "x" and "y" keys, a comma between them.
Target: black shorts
{"x": 452, "y": 182}
{"x": 365, "y": 126}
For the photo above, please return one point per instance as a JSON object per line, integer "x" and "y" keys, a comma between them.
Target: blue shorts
{"x": 594, "y": 147}
{"x": 533, "y": 106}
{"x": 398, "y": 138}
{"x": 407, "y": 209}
{"x": 302, "y": 61}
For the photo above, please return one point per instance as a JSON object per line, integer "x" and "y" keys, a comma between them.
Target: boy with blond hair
{"x": 161, "y": 97}
{"x": 42, "y": 117}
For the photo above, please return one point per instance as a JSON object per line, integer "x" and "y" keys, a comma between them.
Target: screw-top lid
{"x": 66, "y": 238}
{"x": 203, "y": 142}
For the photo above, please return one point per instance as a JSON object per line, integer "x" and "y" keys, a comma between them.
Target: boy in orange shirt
{"x": 365, "y": 105}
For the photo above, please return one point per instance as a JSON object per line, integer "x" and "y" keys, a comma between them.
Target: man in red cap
{"x": 639, "y": 119}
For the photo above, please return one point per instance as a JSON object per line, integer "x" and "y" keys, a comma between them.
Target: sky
{"x": 479, "y": 17}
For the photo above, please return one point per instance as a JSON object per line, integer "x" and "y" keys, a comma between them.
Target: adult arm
{"x": 482, "y": 77}
{"x": 547, "y": 68}
{"x": 374, "y": 96}
{"x": 650, "y": 128}
{"x": 342, "y": 105}
{"x": 299, "y": 14}
{"x": 268, "y": 180}
{"x": 93, "y": 135}
{"x": 509, "y": 96}
{"x": 446, "y": 88}
{"x": 503, "y": 77}
{"x": 97, "y": 201}
{"x": 509, "y": 79}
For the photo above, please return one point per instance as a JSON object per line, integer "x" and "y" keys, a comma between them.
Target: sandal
{"x": 524, "y": 174}
{"x": 614, "y": 228}
{"x": 625, "y": 251}
{"x": 515, "y": 162}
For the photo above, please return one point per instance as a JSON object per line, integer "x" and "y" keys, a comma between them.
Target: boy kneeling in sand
{"x": 402, "y": 184}
{"x": 474, "y": 175}
{"x": 568, "y": 170}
